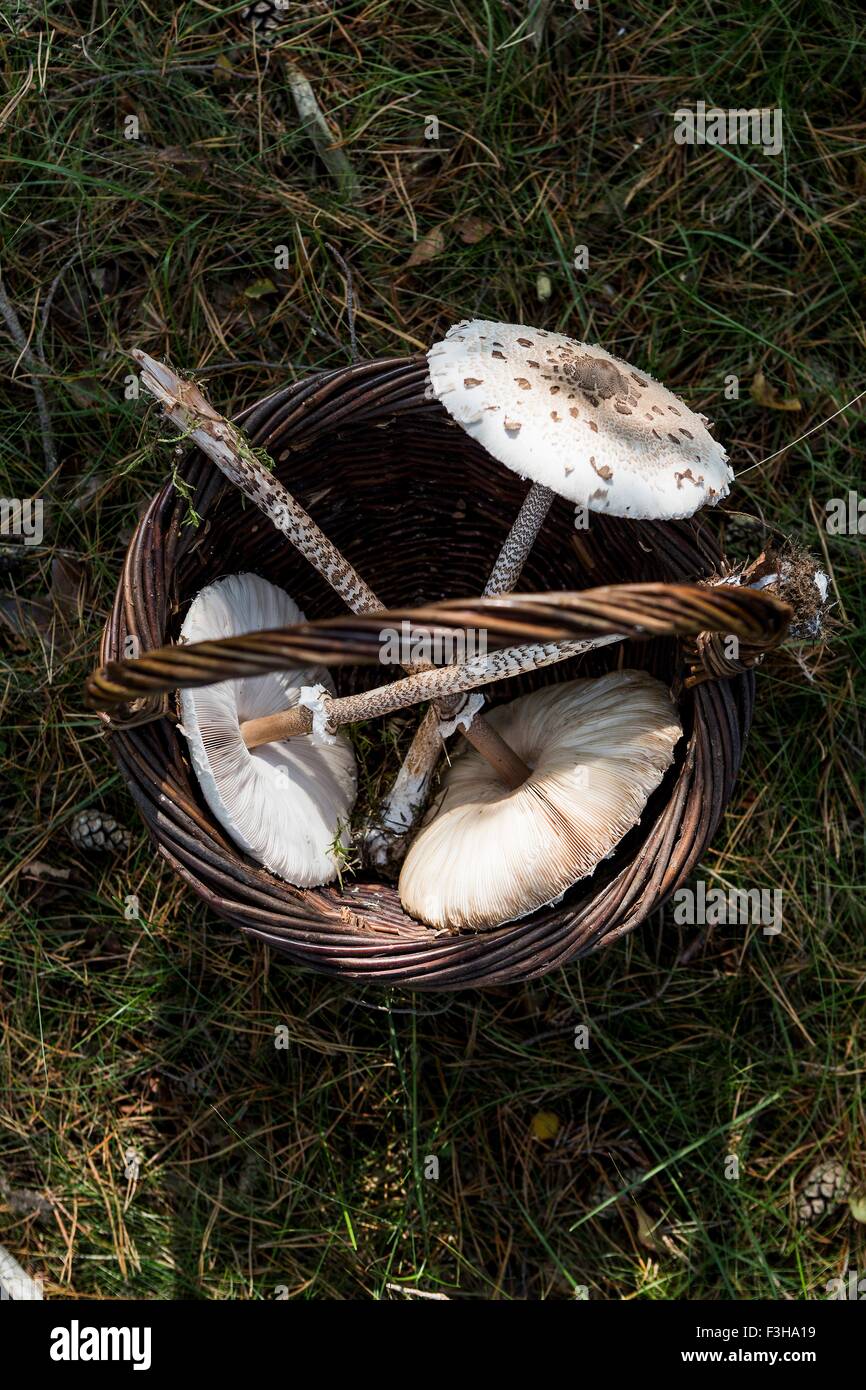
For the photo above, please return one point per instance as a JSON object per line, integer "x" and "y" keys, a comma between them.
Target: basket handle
{"x": 697, "y": 611}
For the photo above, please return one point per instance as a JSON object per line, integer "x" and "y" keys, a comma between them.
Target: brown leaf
{"x": 473, "y": 229}
{"x": 177, "y": 157}
{"x": 763, "y": 393}
{"x": 646, "y": 1231}
{"x": 431, "y": 245}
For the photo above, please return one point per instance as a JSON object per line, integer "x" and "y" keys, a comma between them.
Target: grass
{"x": 184, "y": 1154}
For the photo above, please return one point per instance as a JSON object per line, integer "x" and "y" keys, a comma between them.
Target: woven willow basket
{"x": 421, "y": 510}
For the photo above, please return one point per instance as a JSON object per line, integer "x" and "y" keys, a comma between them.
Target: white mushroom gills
{"x": 597, "y": 748}
{"x": 287, "y": 804}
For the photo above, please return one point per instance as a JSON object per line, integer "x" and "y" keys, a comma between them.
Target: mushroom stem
{"x": 192, "y": 413}
{"x": 190, "y": 410}
{"x": 519, "y": 541}
{"x": 407, "y": 796}
{"x": 510, "y": 769}
{"x": 424, "y": 685}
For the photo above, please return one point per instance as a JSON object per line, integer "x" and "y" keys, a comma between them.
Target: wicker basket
{"x": 421, "y": 510}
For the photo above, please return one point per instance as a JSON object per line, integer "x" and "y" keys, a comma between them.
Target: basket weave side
{"x": 337, "y": 438}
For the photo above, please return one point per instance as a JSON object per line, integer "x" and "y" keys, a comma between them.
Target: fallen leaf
{"x": 763, "y": 393}
{"x": 545, "y": 1125}
{"x": 857, "y": 1204}
{"x": 473, "y": 229}
{"x": 646, "y": 1231}
{"x": 259, "y": 288}
{"x": 179, "y": 158}
{"x": 431, "y": 245}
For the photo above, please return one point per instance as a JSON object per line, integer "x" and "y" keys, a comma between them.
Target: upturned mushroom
{"x": 286, "y": 804}
{"x": 487, "y": 855}
{"x": 579, "y": 423}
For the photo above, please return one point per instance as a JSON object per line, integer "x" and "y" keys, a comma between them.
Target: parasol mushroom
{"x": 286, "y": 804}
{"x": 597, "y": 749}
{"x": 577, "y": 422}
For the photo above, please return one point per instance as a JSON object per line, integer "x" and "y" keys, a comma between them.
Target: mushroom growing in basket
{"x": 579, "y": 423}
{"x": 286, "y": 804}
{"x": 489, "y": 855}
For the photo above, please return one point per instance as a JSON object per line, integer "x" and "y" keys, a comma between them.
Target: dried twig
{"x": 19, "y": 337}
{"x": 417, "y": 1293}
{"x": 350, "y": 298}
{"x": 313, "y": 121}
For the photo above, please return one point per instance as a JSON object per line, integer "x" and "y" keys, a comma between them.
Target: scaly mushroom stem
{"x": 328, "y": 714}
{"x": 509, "y": 563}
{"x": 510, "y": 769}
{"x": 410, "y": 790}
{"x": 192, "y": 413}
{"x": 225, "y": 444}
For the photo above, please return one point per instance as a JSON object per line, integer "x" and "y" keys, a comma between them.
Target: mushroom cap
{"x": 284, "y": 803}
{"x": 597, "y": 749}
{"x": 584, "y": 423}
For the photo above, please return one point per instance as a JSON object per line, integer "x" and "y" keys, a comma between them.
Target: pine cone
{"x": 828, "y": 1184}
{"x": 94, "y": 830}
{"x": 266, "y": 16}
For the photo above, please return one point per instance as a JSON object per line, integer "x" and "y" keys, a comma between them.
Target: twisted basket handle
{"x": 758, "y": 620}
